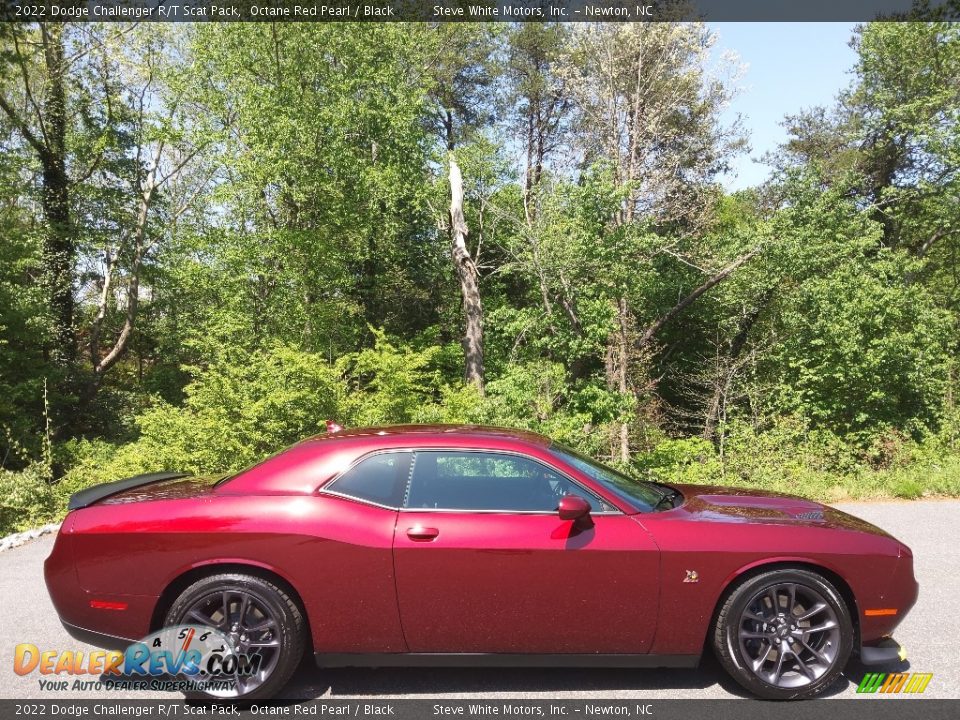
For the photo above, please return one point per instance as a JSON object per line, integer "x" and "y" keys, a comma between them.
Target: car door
{"x": 484, "y": 564}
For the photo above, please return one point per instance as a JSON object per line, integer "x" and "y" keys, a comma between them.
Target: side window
{"x": 378, "y": 479}
{"x": 452, "y": 480}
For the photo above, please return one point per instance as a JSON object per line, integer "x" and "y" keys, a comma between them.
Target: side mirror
{"x": 574, "y": 507}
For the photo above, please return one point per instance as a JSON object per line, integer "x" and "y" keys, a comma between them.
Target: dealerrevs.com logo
{"x": 184, "y": 657}
{"x": 914, "y": 683}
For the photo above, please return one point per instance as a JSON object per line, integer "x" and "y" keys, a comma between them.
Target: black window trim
{"x": 325, "y": 488}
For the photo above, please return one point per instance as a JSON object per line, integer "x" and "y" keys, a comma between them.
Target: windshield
{"x": 643, "y": 495}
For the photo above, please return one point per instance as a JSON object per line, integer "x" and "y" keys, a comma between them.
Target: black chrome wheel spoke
{"x": 791, "y": 597}
{"x": 758, "y": 663}
{"x": 244, "y": 606}
{"x": 798, "y": 661}
{"x": 774, "y": 602}
{"x": 828, "y": 625}
{"x": 201, "y": 618}
{"x": 819, "y": 607}
{"x": 778, "y": 670}
{"x": 225, "y": 622}
{"x": 821, "y": 658}
{"x": 265, "y": 625}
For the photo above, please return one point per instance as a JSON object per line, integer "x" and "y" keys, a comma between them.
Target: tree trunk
{"x": 448, "y": 130}
{"x": 119, "y": 349}
{"x": 102, "y": 365}
{"x": 59, "y": 253}
{"x": 59, "y": 249}
{"x": 48, "y": 141}
{"x": 467, "y": 275}
{"x": 623, "y": 350}
{"x": 618, "y": 376}
{"x": 528, "y": 182}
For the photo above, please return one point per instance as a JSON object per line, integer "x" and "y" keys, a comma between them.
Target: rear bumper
{"x": 97, "y": 639}
{"x": 75, "y": 609}
{"x": 886, "y": 652}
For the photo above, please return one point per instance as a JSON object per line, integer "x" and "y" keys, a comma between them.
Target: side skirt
{"x": 585, "y": 660}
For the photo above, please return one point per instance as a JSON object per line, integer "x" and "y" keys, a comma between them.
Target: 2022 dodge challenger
{"x": 463, "y": 545}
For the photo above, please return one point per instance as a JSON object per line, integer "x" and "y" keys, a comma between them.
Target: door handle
{"x": 419, "y": 533}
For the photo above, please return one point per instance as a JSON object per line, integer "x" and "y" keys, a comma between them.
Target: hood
{"x": 740, "y": 505}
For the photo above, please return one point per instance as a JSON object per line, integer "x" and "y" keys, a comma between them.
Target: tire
{"x": 271, "y": 617}
{"x": 790, "y": 650}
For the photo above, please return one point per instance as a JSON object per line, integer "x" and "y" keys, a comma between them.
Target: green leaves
{"x": 324, "y": 177}
{"x": 297, "y": 267}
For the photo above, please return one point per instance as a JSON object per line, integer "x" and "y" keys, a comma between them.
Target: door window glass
{"x": 460, "y": 480}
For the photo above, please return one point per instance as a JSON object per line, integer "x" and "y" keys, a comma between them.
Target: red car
{"x": 459, "y": 545}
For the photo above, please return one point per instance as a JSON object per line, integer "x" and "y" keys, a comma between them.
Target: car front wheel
{"x": 784, "y": 634}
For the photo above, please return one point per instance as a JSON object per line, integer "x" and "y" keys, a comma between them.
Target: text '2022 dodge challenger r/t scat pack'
{"x": 462, "y": 545}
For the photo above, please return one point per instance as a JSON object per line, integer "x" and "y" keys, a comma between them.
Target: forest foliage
{"x": 214, "y": 238}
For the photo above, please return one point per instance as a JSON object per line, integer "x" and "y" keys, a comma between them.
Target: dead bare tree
{"x": 468, "y": 278}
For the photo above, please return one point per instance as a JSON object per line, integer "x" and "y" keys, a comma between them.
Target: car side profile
{"x": 464, "y": 545}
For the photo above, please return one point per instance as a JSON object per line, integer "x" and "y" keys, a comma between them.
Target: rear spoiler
{"x": 98, "y": 492}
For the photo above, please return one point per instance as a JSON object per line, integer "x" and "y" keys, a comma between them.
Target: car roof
{"x": 442, "y": 434}
{"x": 303, "y": 467}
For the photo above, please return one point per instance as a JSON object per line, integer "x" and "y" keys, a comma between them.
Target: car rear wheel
{"x": 784, "y": 634}
{"x": 258, "y": 619}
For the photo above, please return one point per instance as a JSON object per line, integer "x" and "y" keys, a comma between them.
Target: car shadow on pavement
{"x": 311, "y": 682}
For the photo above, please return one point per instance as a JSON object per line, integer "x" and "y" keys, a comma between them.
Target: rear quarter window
{"x": 379, "y": 479}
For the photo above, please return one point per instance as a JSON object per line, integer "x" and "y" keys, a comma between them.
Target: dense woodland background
{"x": 213, "y": 238}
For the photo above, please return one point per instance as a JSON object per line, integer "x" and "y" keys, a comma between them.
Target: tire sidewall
{"x": 728, "y": 627}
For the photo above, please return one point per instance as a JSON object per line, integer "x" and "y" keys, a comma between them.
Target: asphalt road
{"x": 929, "y": 634}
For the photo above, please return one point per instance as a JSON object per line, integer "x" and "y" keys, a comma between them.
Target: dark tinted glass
{"x": 378, "y": 478}
{"x": 636, "y": 492}
{"x": 487, "y": 481}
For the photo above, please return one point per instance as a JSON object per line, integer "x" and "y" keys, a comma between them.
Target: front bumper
{"x": 886, "y": 652}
